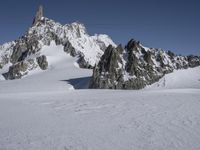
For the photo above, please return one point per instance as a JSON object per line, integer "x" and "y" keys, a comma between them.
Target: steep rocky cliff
{"x": 136, "y": 66}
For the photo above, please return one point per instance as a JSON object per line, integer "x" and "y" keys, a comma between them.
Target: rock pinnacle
{"x": 38, "y": 16}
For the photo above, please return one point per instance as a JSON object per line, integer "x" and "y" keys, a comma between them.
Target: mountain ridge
{"x": 22, "y": 54}
{"x": 114, "y": 67}
{"x": 135, "y": 66}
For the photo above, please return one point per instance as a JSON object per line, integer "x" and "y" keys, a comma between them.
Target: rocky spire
{"x": 38, "y": 16}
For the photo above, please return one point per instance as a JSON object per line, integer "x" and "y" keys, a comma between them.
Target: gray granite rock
{"x": 83, "y": 63}
{"x": 42, "y": 62}
{"x": 135, "y": 67}
{"x": 19, "y": 69}
{"x": 38, "y": 16}
{"x": 107, "y": 72}
{"x": 69, "y": 49}
{"x": 193, "y": 61}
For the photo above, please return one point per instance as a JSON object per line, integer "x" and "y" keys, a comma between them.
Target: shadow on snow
{"x": 79, "y": 83}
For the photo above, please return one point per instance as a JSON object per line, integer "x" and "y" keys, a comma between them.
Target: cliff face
{"x": 38, "y": 16}
{"x": 135, "y": 66}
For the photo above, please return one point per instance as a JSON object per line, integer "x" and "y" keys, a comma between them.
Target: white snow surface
{"x": 179, "y": 79}
{"x": 43, "y": 111}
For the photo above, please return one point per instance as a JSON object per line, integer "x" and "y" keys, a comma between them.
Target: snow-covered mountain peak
{"x": 73, "y": 37}
{"x": 78, "y": 27}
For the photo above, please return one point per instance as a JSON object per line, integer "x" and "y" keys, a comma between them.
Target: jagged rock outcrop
{"x": 108, "y": 70}
{"x": 38, "y": 16}
{"x": 42, "y": 62}
{"x": 19, "y": 69}
{"x": 22, "y": 68}
{"x": 135, "y": 66}
{"x": 69, "y": 49}
{"x": 83, "y": 63}
{"x": 193, "y": 61}
{"x": 72, "y": 37}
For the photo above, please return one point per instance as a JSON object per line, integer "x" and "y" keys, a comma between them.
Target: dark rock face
{"x": 118, "y": 70}
{"x": 69, "y": 49}
{"x": 135, "y": 66}
{"x": 17, "y": 53}
{"x": 24, "y": 47}
{"x": 83, "y": 63}
{"x": 19, "y": 69}
{"x": 193, "y": 61}
{"x": 15, "y": 71}
{"x": 38, "y": 16}
{"x": 109, "y": 66}
{"x": 42, "y": 62}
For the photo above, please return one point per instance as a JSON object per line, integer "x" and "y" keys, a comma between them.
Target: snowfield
{"x": 180, "y": 79}
{"x": 52, "y": 110}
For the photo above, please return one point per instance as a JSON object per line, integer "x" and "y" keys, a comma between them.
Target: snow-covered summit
{"x": 73, "y": 37}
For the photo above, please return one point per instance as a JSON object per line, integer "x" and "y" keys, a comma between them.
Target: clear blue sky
{"x": 168, "y": 24}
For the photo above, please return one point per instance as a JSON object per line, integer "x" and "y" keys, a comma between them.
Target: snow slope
{"x": 61, "y": 68}
{"x": 42, "y": 111}
{"x": 179, "y": 79}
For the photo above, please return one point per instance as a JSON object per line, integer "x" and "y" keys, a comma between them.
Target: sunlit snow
{"x": 52, "y": 110}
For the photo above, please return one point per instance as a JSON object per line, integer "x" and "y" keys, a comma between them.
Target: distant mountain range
{"x": 114, "y": 67}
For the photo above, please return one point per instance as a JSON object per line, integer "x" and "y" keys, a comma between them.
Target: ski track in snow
{"x": 43, "y": 111}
